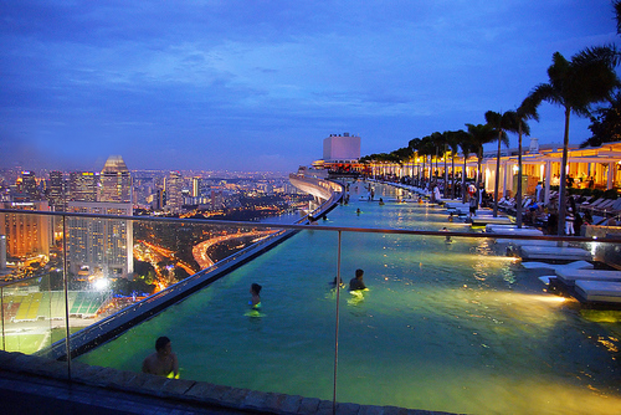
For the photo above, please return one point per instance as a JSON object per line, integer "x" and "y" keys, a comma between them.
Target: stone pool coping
{"x": 185, "y": 390}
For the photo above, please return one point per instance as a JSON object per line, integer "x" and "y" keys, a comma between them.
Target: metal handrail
{"x": 300, "y": 227}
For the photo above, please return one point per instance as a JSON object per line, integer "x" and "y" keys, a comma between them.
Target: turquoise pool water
{"x": 445, "y": 326}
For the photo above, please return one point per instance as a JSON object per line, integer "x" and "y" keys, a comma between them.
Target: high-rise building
{"x": 26, "y": 235}
{"x": 56, "y": 194}
{"x": 196, "y": 187}
{"x": 101, "y": 246}
{"x": 337, "y": 148}
{"x": 116, "y": 182}
{"x": 83, "y": 186}
{"x": 173, "y": 188}
{"x": 28, "y": 185}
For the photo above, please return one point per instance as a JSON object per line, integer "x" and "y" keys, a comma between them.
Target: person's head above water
{"x": 161, "y": 343}
{"x": 359, "y": 273}
{"x": 255, "y": 288}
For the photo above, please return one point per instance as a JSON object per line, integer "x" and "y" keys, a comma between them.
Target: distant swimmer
{"x": 357, "y": 283}
{"x": 358, "y": 211}
{"x": 163, "y": 362}
{"x": 450, "y": 218}
{"x": 255, "y": 292}
{"x": 448, "y": 237}
{"x": 255, "y": 301}
{"x": 333, "y": 283}
{"x": 381, "y": 202}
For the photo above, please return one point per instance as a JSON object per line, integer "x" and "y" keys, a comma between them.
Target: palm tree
{"x": 454, "y": 139}
{"x": 414, "y": 145}
{"x": 425, "y": 149}
{"x": 575, "y": 85}
{"x": 467, "y": 147}
{"x": 526, "y": 111}
{"x": 438, "y": 141}
{"x": 617, "y": 6}
{"x": 480, "y": 134}
{"x": 502, "y": 123}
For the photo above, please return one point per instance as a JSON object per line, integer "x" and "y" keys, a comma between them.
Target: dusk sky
{"x": 257, "y": 85}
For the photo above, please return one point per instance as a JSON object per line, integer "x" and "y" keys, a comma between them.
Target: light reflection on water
{"x": 453, "y": 327}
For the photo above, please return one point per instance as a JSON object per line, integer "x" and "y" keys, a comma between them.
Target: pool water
{"x": 444, "y": 326}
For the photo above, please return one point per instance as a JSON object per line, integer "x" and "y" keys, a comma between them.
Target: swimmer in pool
{"x": 255, "y": 291}
{"x": 163, "y": 362}
{"x": 333, "y": 283}
{"x": 448, "y": 237}
{"x": 356, "y": 283}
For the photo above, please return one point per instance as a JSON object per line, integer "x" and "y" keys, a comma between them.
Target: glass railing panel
{"x": 465, "y": 326}
{"x": 29, "y": 322}
{"x": 29, "y": 278}
{"x": 220, "y": 338}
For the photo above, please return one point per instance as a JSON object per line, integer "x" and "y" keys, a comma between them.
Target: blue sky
{"x": 258, "y": 85}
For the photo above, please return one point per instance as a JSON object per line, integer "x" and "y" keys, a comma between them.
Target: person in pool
{"x": 255, "y": 291}
{"x": 448, "y": 237}
{"x": 163, "y": 362}
{"x": 333, "y": 283}
{"x": 356, "y": 283}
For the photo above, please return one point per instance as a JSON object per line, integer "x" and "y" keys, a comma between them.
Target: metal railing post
{"x": 336, "y": 336}
{"x": 66, "y": 289}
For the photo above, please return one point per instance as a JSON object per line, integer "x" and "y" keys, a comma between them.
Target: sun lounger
{"x": 599, "y": 291}
{"x": 570, "y": 276}
{"x": 512, "y": 230}
{"x": 544, "y": 265}
{"x": 554, "y": 253}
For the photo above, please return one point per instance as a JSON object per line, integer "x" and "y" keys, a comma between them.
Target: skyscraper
{"x": 174, "y": 185}
{"x": 26, "y": 235}
{"x": 104, "y": 246}
{"x": 28, "y": 185}
{"x": 57, "y": 190}
{"x": 83, "y": 186}
{"x": 116, "y": 183}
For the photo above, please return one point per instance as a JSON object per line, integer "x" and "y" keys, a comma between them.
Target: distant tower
{"x": 56, "y": 195}
{"x": 116, "y": 183}
{"x": 341, "y": 149}
{"x": 26, "y": 235}
{"x": 196, "y": 187}
{"x": 104, "y": 246}
{"x": 174, "y": 185}
{"x": 83, "y": 186}
{"x": 29, "y": 185}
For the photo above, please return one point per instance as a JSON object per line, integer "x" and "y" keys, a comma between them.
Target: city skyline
{"x": 245, "y": 86}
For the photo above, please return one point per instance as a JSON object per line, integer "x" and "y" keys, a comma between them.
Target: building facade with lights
{"x": 102, "y": 247}
{"x": 599, "y": 167}
{"x": 26, "y": 235}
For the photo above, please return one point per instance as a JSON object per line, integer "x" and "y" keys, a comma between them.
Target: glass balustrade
{"x": 452, "y": 319}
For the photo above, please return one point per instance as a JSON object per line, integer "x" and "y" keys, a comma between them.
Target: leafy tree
{"x": 467, "y": 147}
{"x": 480, "y": 134}
{"x": 576, "y": 85}
{"x": 501, "y": 122}
{"x": 605, "y": 124}
{"x": 526, "y": 111}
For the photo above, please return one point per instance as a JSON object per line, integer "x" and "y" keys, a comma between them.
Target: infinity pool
{"x": 445, "y": 326}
